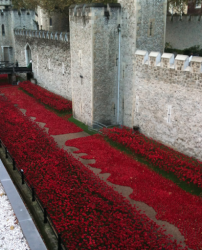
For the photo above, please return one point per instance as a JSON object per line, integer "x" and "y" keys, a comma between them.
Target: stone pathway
{"x": 125, "y": 191}
{"x": 11, "y": 236}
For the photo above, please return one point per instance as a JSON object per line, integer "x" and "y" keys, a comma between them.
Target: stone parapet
{"x": 84, "y": 13}
{"x": 81, "y": 10}
{"x": 154, "y": 59}
{"x": 181, "y": 62}
{"x": 62, "y": 36}
{"x": 169, "y": 69}
{"x": 185, "y": 18}
{"x": 5, "y": 2}
{"x": 167, "y": 60}
{"x": 196, "y": 64}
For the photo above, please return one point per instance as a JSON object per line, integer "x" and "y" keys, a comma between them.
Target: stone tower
{"x": 94, "y": 47}
{"x": 143, "y": 27}
{"x": 9, "y": 20}
{"x": 52, "y": 22}
{"x": 104, "y": 39}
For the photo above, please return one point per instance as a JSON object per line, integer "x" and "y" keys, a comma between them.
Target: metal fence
{"x": 24, "y": 181}
{"x": 13, "y": 70}
{"x": 6, "y": 64}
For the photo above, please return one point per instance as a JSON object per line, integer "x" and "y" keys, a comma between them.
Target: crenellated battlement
{"x": 42, "y": 34}
{"x": 86, "y": 13}
{"x": 5, "y": 2}
{"x": 167, "y": 60}
{"x": 169, "y": 69}
{"x": 85, "y": 10}
{"x": 184, "y": 18}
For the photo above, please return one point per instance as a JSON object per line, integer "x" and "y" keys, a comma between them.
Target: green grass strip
{"x": 82, "y": 126}
{"x": 191, "y": 188}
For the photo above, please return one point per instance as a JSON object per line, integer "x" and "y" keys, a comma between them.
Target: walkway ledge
{"x": 29, "y": 230}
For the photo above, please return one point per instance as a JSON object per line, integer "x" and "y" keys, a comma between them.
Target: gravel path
{"x": 11, "y": 237}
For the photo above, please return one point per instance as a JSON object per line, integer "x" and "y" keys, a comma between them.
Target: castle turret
{"x": 9, "y": 20}
{"x": 5, "y": 3}
{"x": 143, "y": 27}
{"x": 94, "y": 37}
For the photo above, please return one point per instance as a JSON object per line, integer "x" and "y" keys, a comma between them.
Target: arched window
{"x": 3, "y": 30}
{"x": 51, "y": 22}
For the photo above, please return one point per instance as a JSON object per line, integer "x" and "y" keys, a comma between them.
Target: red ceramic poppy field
{"x": 171, "y": 203}
{"x": 3, "y": 76}
{"x": 55, "y": 101}
{"x": 186, "y": 168}
{"x": 4, "y": 81}
{"x": 56, "y": 124}
{"x": 88, "y": 213}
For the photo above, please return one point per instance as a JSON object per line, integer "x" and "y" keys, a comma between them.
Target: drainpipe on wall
{"x": 119, "y": 72}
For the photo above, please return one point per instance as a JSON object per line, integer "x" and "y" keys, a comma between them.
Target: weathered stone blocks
{"x": 94, "y": 47}
{"x": 170, "y": 101}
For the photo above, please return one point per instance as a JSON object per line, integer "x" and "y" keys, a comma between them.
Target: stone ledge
{"x": 33, "y": 208}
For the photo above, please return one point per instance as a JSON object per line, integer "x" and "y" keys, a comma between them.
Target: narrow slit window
{"x": 63, "y": 68}
{"x": 137, "y": 104}
{"x": 49, "y": 64}
{"x": 3, "y": 30}
{"x": 169, "y": 114}
{"x": 51, "y": 22}
{"x": 150, "y": 28}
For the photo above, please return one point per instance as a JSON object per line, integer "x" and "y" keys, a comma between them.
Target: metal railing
{"x": 13, "y": 70}
{"x": 47, "y": 218}
{"x": 6, "y": 64}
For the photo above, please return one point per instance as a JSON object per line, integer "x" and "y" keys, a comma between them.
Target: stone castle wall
{"x": 159, "y": 93}
{"x": 51, "y": 59}
{"x": 59, "y": 23}
{"x": 168, "y": 99}
{"x": 151, "y": 24}
{"x": 5, "y": 2}
{"x": 142, "y": 27}
{"x": 81, "y": 67}
{"x": 94, "y": 46}
{"x": 12, "y": 19}
{"x": 6, "y": 39}
{"x": 128, "y": 48}
{"x": 184, "y": 32}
